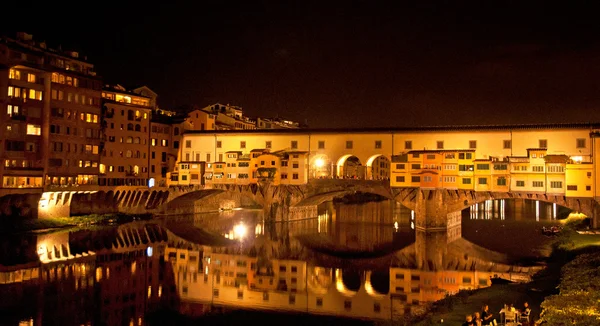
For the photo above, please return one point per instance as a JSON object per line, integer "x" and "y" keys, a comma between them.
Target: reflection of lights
{"x": 258, "y": 229}
{"x": 412, "y": 225}
{"x": 319, "y": 162}
{"x": 149, "y": 251}
{"x": 206, "y": 270}
{"x": 396, "y": 226}
{"x": 239, "y": 231}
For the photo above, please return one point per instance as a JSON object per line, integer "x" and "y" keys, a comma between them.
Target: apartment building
{"x": 126, "y": 127}
{"x": 52, "y": 124}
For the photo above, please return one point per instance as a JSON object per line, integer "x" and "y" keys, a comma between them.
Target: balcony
{"x": 131, "y": 174}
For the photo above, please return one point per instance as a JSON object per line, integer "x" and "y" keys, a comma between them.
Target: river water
{"x": 362, "y": 261}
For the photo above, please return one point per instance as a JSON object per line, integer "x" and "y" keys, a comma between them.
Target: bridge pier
{"x": 433, "y": 211}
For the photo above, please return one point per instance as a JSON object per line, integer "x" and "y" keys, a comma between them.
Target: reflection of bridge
{"x": 434, "y": 209}
{"x": 261, "y": 275}
{"x": 294, "y": 285}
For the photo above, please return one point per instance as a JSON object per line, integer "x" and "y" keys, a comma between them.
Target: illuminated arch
{"x": 370, "y": 162}
{"x": 340, "y": 286}
{"x": 320, "y": 166}
{"x": 369, "y": 287}
{"x": 319, "y": 280}
{"x": 341, "y": 164}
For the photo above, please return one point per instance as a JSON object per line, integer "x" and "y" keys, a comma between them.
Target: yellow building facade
{"x": 552, "y": 159}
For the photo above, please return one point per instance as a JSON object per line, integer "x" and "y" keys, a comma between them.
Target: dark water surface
{"x": 360, "y": 261}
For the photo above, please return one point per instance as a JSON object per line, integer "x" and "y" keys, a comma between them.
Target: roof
{"x": 439, "y": 151}
{"x": 508, "y": 128}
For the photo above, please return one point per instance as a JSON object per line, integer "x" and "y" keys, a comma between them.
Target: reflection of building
{"x": 108, "y": 277}
{"x": 209, "y": 278}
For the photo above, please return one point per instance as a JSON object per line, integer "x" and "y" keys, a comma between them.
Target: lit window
{"x": 35, "y": 130}
{"x": 31, "y": 78}
{"x": 88, "y": 117}
{"x": 14, "y": 74}
{"x": 12, "y": 110}
{"x": 54, "y": 77}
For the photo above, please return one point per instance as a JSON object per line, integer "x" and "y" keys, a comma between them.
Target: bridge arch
{"x": 319, "y": 279}
{"x": 341, "y": 286}
{"x": 376, "y": 289}
{"x": 206, "y": 200}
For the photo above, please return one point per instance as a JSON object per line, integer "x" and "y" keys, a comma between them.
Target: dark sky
{"x": 350, "y": 63}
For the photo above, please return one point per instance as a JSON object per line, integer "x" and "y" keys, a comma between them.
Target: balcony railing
{"x": 131, "y": 174}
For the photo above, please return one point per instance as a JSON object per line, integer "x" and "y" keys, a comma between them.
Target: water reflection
{"x": 362, "y": 261}
{"x": 517, "y": 209}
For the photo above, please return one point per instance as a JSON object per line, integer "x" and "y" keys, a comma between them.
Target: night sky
{"x": 351, "y": 63}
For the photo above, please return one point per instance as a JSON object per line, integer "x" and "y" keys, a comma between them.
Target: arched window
{"x": 129, "y": 140}
{"x": 130, "y": 126}
{"x": 138, "y": 128}
{"x": 128, "y": 153}
{"x": 136, "y": 140}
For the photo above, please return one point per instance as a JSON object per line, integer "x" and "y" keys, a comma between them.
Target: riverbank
{"x": 566, "y": 247}
{"x": 18, "y": 225}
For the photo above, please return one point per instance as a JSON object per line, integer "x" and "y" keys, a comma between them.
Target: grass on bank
{"x": 568, "y": 245}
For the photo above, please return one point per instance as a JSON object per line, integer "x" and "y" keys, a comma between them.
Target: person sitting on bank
{"x": 469, "y": 321}
{"x": 487, "y": 317}
{"x": 477, "y": 319}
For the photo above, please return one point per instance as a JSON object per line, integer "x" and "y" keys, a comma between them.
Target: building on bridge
{"x": 552, "y": 159}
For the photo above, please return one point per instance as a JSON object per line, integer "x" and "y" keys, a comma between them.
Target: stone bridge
{"x": 434, "y": 208}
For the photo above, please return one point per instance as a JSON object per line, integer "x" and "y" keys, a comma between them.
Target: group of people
{"x": 554, "y": 230}
{"x": 487, "y": 318}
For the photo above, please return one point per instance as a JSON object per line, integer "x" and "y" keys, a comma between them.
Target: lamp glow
{"x": 240, "y": 231}
{"x": 319, "y": 162}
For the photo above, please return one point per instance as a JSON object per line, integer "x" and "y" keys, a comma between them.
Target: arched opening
{"x": 321, "y": 167}
{"x": 129, "y": 140}
{"x": 352, "y": 280}
{"x": 378, "y": 168}
{"x": 350, "y": 167}
{"x": 138, "y": 127}
{"x": 340, "y": 285}
{"x": 136, "y": 140}
{"x": 377, "y": 282}
{"x": 130, "y": 126}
